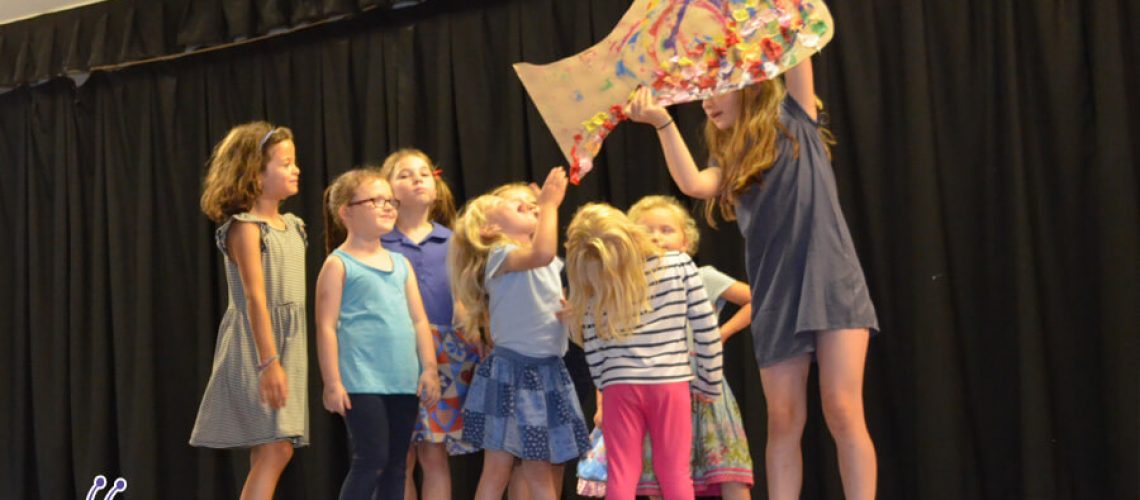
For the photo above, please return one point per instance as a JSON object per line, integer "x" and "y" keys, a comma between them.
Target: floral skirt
{"x": 443, "y": 422}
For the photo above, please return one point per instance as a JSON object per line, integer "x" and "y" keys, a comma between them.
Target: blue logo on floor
{"x": 100, "y": 482}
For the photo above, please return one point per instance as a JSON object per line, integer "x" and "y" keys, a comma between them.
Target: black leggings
{"x": 379, "y": 431}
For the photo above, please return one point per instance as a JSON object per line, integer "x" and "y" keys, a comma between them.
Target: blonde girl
{"x": 522, "y": 403}
{"x": 630, "y": 304}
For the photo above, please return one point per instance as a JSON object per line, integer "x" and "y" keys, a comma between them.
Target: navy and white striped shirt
{"x": 658, "y": 351}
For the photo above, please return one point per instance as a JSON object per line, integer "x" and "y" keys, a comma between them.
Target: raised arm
{"x": 545, "y": 245}
{"x": 801, "y": 86}
{"x": 694, "y": 182}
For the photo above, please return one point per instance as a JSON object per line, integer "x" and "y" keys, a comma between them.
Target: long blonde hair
{"x": 679, "y": 212}
{"x": 750, "y": 147}
{"x": 605, "y": 265}
{"x": 231, "y": 185}
{"x": 443, "y": 210}
{"x": 467, "y": 263}
{"x": 337, "y": 195}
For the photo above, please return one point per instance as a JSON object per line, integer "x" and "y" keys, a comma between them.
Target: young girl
{"x": 721, "y": 463}
{"x": 422, "y": 234}
{"x": 256, "y": 396}
{"x": 522, "y": 402}
{"x": 517, "y": 489}
{"x": 629, "y": 306}
{"x": 370, "y": 326}
{"x": 769, "y": 168}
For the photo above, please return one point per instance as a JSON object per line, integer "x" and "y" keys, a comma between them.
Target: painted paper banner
{"x": 686, "y": 50}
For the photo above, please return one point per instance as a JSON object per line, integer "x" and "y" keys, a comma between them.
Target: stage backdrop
{"x": 986, "y": 166}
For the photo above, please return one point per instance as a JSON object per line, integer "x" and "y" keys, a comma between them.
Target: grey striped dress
{"x": 231, "y": 414}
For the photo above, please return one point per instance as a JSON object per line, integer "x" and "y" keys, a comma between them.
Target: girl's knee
{"x": 496, "y": 474}
{"x": 843, "y": 414}
{"x": 432, "y": 457}
{"x": 275, "y": 454}
{"x": 788, "y": 420}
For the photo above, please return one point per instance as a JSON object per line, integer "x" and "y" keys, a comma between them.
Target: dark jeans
{"x": 379, "y": 431}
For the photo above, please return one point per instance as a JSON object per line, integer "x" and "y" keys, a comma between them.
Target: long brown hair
{"x": 337, "y": 195}
{"x": 750, "y": 147}
{"x": 443, "y": 210}
{"x": 231, "y": 185}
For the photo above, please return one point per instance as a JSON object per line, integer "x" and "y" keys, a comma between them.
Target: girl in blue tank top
{"x": 373, "y": 338}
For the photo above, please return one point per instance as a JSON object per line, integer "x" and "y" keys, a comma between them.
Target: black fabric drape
{"x": 986, "y": 164}
{"x": 114, "y": 32}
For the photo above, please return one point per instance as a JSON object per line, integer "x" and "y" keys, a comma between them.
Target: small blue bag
{"x": 592, "y": 468}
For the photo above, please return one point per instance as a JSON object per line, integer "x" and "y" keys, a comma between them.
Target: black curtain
{"x": 986, "y": 164}
{"x": 115, "y": 32}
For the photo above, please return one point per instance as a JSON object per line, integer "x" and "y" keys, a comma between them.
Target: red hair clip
{"x": 437, "y": 172}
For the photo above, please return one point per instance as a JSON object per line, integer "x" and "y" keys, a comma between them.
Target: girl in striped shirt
{"x": 629, "y": 305}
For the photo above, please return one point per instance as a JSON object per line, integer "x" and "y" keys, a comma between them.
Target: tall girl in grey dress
{"x": 256, "y": 396}
{"x": 769, "y": 169}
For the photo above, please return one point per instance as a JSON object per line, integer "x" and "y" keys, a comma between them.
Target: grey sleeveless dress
{"x": 802, "y": 267}
{"x": 231, "y": 414}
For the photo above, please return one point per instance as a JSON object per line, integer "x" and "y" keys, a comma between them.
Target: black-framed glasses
{"x": 377, "y": 202}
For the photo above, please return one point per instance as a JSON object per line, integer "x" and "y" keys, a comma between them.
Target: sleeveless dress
{"x": 231, "y": 414}
{"x": 801, "y": 263}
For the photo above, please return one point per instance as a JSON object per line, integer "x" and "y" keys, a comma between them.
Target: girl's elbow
{"x": 254, "y": 300}
{"x": 699, "y": 192}
{"x": 542, "y": 257}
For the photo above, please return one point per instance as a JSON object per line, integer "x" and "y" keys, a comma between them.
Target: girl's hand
{"x": 561, "y": 313}
{"x": 484, "y": 348}
{"x": 336, "y": 399}
{"x": 553, "y": 189}
{"x": 704, "y": 398}
{"x": 598, "y": 418}
{"x": 272, "y": 386}
{"x": 428, "y": 389}
{"x": 643, "y": 108}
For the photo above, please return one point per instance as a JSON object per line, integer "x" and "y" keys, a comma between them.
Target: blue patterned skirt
{"x": 525, "y": 406}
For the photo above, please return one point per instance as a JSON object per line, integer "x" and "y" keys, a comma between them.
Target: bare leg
{"x": 558, "y": 473}
{"x": 735, "y": 491}
{"x": 539, "y": 478}
{"x": 265, "y": 465}
{"x": 842, "y": 357}
{"x": 410, "y": 476}
{"x": 785, "y": 390}
{"x": 518, "y": 489}
{"x": 496, "y": 474}
{"x": 437, "y": 472}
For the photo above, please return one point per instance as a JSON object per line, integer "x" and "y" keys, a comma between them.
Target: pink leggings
{"x": 628, "y": 412}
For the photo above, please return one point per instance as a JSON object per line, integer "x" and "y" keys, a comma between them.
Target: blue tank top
{"x": 376, "y": 342}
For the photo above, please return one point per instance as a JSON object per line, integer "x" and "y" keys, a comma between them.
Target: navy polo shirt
{"x": 429, "y": 260}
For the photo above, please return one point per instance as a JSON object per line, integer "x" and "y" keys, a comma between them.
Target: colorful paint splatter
{"x": 686, "y": 50}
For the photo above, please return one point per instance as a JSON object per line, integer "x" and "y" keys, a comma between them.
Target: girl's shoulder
{"x": 221, "y": 234}
{"x": 440, "y": 231}
{"x": 400, "y": 263}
